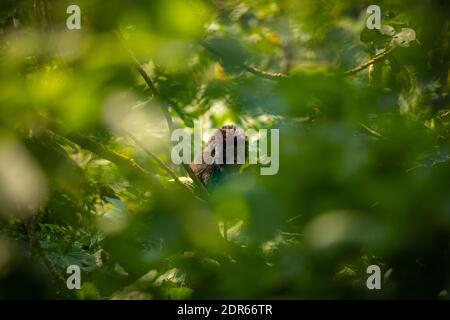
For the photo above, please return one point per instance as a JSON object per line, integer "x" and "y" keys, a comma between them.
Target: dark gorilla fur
{"x": 211, "y": 174}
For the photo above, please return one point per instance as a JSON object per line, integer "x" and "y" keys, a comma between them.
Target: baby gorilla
{"x": 227, "y": 159}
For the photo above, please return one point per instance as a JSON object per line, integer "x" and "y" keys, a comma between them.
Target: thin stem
{"x": 264, "y": 74}
{"x": 225, "y": 230}
{"x": 255, "y": 71}
{"x": 372, "y": 131}
{"x": 155, "y": 158}
{"x": 366, "y": 64}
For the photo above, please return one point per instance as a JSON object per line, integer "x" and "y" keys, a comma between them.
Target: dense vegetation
{"x": 85, "y": 170}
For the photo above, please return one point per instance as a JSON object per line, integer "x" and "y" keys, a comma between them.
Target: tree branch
{"x": 276, "y": 76}
{"x": 155, "y": 92}
{"x": 372, "y": 131}
{"x": 155, "y": 158}
{"x": 35, "y": 246}
{"x": 104, "y": 152}
{"x": 263, "y": 74}
{"x": 383, "y": 54}
{"x": 165, "y": 110}
{"x": 149, "y": 82}
{"x": 255, "y": 71}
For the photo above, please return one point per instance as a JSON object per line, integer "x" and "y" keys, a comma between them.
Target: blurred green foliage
{"x": 364, "y": 158}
